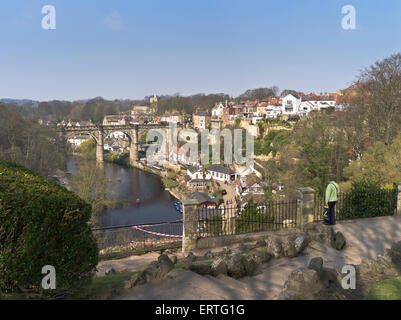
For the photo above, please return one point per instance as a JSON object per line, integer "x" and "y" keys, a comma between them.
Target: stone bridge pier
{"x": 133, "y": 147}
{"x": 100, "y": 147}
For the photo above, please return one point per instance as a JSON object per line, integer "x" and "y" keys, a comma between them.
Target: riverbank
{"x": 174, "y": 192}
{"x": 128, "y": 184}
{"x": 124, "y": 162}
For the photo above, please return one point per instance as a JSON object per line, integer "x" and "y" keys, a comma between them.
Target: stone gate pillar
{"x": 398, "y": 211}
{"x": 305, "y": 206}
{"x": 100, "y": 147}
{"x": 190, "y": 225}
{"x": 133, "y": 148}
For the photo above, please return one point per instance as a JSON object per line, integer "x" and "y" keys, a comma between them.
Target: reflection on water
{"x": 131, "y": 184}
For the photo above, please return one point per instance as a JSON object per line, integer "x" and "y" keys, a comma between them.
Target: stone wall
{"x": 222, "y": 241}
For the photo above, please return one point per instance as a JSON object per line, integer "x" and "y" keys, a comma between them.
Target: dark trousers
{"x": 332, "y": 213}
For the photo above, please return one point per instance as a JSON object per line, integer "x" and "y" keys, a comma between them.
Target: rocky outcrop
{"x": 156, "y": 270}
{"x": 173, "y": 259}
{"x": 190, "y": 257}
{"x": 274, "y": 247}
{"x": 201, "y": 268}
{"x": 294, "y": 245}
{"x": 246, "y": 247}
{"x": 302, "y": 284}
{"x": 312, "y": 283}
{"x": 219, "y": 266}
{"x": 261, "y": 257}
{"x": 235, "y": 267}
{"x": 325, "y": 234}
{"x": 339, "y": 241}
{"x": 208, "y": 255}
{"x": 316, "y": 264}
{"x": 260, "y": 244}
{"x": 386, "y": 266}
{"x": 289, "y": 246}
{"x": 135, "y": 280}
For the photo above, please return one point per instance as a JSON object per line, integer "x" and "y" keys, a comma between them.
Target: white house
{"x": 78, "y": 140}
{"x": 221, "y": 173}
{"x": 273, "y": 111}
{"x": 306, "y": 107}
{"x": 184, "y": 156}
{"x": 290, "y": 104}
{"x": 323, "y": 104}
{"x": 217, "y": 111}
{"x": 113, "y": 146}
{"x": 117, "y": 135}
{"x": 196, "y": 173}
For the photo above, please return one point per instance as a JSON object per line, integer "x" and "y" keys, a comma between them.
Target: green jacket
{"x": 332, "y": 192}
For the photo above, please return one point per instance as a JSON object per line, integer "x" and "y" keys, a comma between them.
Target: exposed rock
{"x": 293, "y": 245}
{"x": 330, "y": 277}
{"x": 226, "y": 251}
{"x": 135, "y": 280}
{"x": 201, "y": 268}
{"x": 249, "y": 265}
{"x": 316, "y": 264}
{"x": 246, "y": 247}
{"x": 208, "y": 255}
{"x": 301, "y": 242}
{"x": 274, "y": 247}
{"x": 395, "y": 254}
{"x": 260, "y": 244}
{"x": 190, "y": 257}
{"x": 288, "y": 247}
{"x": 302, "y": 284}
{"x": 165, "y": 265}
{"x": 320, "y": 233}
{"x": 339, "y": 241}
{"x": 261, "y": 257}
{"x": 218, "y": 267}
{"x": 174, "y": 259}
{"x": 158, "y": 269}
{"x": 151, "y": 272}
{"x": 235, "y": 266}
{"x": 110, "y": 271}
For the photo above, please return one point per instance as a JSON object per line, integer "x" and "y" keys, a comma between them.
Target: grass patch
{"x": 169, "y": 183}
{"x": 104, "y": 287}
{"x": 386, "y": 290}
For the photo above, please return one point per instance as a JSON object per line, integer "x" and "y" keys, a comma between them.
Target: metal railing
{"x": 360, "y": 205}
{"x": 138, "y": 238}
{"x": 247, "y": 219}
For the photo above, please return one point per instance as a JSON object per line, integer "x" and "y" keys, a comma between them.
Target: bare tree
{"x": 379, "y": 92}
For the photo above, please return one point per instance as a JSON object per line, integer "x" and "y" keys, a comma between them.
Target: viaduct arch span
{"x": 99, "y": 132}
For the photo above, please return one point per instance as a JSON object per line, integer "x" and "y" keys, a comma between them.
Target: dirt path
{"x": 365, "y": 239}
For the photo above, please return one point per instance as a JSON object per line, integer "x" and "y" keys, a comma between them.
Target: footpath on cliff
{"x": 366, "y": 238}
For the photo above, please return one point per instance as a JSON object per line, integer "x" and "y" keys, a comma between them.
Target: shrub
{"x": 367, "y": 199}
{"x": 213, "y": 225}
{"x": 254, "y": 219}
{"x": 42, "y": 223}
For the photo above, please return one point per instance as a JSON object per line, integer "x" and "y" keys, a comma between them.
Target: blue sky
{"x": 131, "y": 48}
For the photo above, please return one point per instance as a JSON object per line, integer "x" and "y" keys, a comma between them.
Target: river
{"x": 156, "y": 204}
